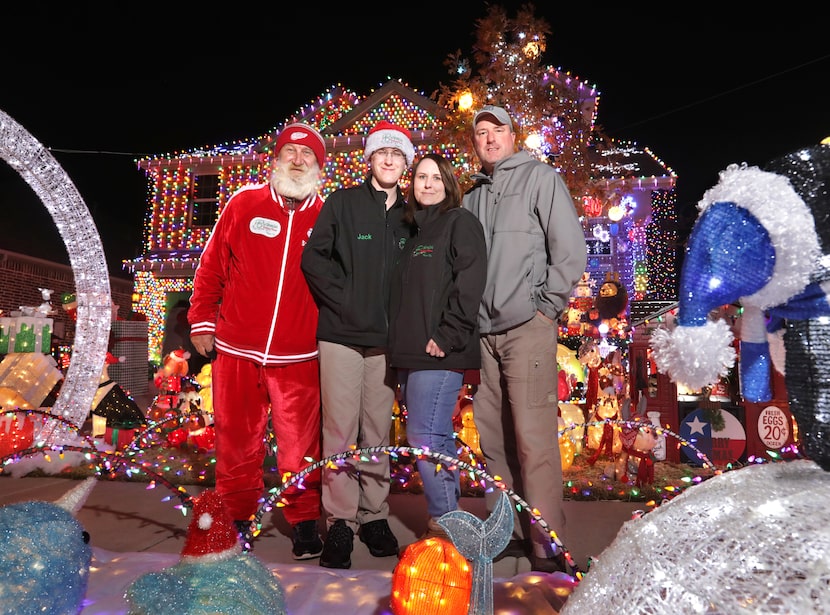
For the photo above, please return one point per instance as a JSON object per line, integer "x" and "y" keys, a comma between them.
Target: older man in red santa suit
{"x": 251, "y": 305}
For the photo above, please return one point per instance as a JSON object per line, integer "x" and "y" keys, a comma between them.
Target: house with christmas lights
{"x": 632, "y": 243}
{"x": 187, "y": 191}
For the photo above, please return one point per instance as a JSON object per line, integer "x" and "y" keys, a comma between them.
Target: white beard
{"x": 294, "y": 187}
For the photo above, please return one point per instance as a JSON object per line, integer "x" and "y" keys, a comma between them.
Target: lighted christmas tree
{"x": 555, "y": 112}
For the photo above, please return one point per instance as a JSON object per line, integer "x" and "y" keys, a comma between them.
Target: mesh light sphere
{"x": 86, "y": 256}
{"x": 431, "y": 578}
{"x": 752, "y": 540}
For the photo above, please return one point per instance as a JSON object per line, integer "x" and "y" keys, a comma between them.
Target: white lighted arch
{"x": 86, "y": 256}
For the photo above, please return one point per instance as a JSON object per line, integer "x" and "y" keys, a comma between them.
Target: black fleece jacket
{"x": 436, "y": 292}
{"x": 348, "y": 261}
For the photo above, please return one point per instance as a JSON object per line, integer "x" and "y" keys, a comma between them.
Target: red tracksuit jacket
{"x": 249, "y": 264}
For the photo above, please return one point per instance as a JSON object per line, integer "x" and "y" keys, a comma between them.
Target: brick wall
{"x": 21, "y": 276}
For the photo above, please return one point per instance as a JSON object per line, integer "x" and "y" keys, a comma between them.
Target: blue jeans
{"x": 430, "y": 396}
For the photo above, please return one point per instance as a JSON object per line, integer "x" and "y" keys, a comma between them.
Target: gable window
{"x": 205, "y": 201}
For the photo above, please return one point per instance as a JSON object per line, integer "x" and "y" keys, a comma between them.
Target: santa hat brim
{"x": 216, "y": 556}
{"x": 179, "y": 355}
{"x": 389, "y": 137}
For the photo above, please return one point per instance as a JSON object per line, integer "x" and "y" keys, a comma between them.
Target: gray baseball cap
{"x": 494, "y": 114}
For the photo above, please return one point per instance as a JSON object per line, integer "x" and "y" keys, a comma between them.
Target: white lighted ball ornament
{"x": 86, "y": 256}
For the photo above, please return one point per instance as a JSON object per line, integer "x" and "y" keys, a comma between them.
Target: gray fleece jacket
{"x": 536, "y": 249}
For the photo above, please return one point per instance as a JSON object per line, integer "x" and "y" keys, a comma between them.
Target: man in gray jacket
{"x": 536, "y": 253}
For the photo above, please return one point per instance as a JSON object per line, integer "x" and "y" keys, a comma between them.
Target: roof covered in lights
{"x": 628, "y": 165}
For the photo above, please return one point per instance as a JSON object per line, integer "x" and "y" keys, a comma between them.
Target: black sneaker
{"x": 306, "y": 539}
{"x": 337, "y": 549}
{"x": 379, "y": 538}
{"x": 556, "y": 563}
{"x": 515, "y": 548}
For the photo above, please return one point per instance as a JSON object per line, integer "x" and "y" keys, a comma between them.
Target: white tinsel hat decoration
{"x": 387, "y": 134}
{"x": 754, "y": 242}
{"x": 211, "y": 536}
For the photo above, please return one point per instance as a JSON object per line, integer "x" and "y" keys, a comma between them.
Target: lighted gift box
{"x": 16, "y": 433}
{"x": 120, "y": 437}
{"x": 31, "y": 375}
{"x": 25, "y": 334}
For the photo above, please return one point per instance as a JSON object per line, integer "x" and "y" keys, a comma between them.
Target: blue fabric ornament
{"x": 761, "y": 240}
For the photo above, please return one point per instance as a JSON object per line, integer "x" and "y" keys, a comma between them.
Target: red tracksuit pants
{"x": 242, "y": 394}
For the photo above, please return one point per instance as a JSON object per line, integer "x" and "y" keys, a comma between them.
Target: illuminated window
{"x": 205, "y": 201}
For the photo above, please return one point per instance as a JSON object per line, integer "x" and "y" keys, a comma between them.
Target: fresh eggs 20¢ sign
{"x": 773, "y": 427}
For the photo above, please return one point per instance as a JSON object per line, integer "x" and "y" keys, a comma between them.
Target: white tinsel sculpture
{"x": 754, "y": 540}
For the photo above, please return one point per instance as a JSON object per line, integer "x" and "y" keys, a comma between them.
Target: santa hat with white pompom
{"x": 178, "y": 355}
{"x": 388, "y": 135}
{"x": 211, "y": 536}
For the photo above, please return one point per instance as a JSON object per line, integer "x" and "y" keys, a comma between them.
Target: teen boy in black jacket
{"x": 347, "y": 263}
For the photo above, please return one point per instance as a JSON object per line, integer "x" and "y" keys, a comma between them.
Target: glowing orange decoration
{"x": 431, "y": 578}
{"x": 605, "y": 437}
{"x": 572, "y": 418}
{"x": 465, "y": 101}
{"x": 592, "y": 206}
{"x": 566, "y": 452}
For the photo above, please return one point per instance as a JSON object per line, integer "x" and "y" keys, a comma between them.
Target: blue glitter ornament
{"x": 44, "y": 556}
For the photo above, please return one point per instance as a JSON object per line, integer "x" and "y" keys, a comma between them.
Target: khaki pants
{"x": 516, "y": 412}
{"x": 357, "y": 392}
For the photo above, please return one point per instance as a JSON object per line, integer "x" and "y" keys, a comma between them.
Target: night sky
{"x": 104, "y": 84}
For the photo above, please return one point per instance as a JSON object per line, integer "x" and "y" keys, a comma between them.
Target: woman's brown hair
{"x": 451, "y": 186}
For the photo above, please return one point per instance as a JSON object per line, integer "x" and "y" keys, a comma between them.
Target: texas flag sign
{"x": 721, "y": 447}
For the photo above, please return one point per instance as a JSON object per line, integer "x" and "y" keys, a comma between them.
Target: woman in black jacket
{"x": 433, "y": 335}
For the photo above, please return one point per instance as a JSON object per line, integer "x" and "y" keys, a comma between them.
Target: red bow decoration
{"x": 645, "y": 469}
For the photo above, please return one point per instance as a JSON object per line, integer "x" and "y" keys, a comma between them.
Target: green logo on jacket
{"x": 364, "y": 235}
{"x": 422, "y": 250}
